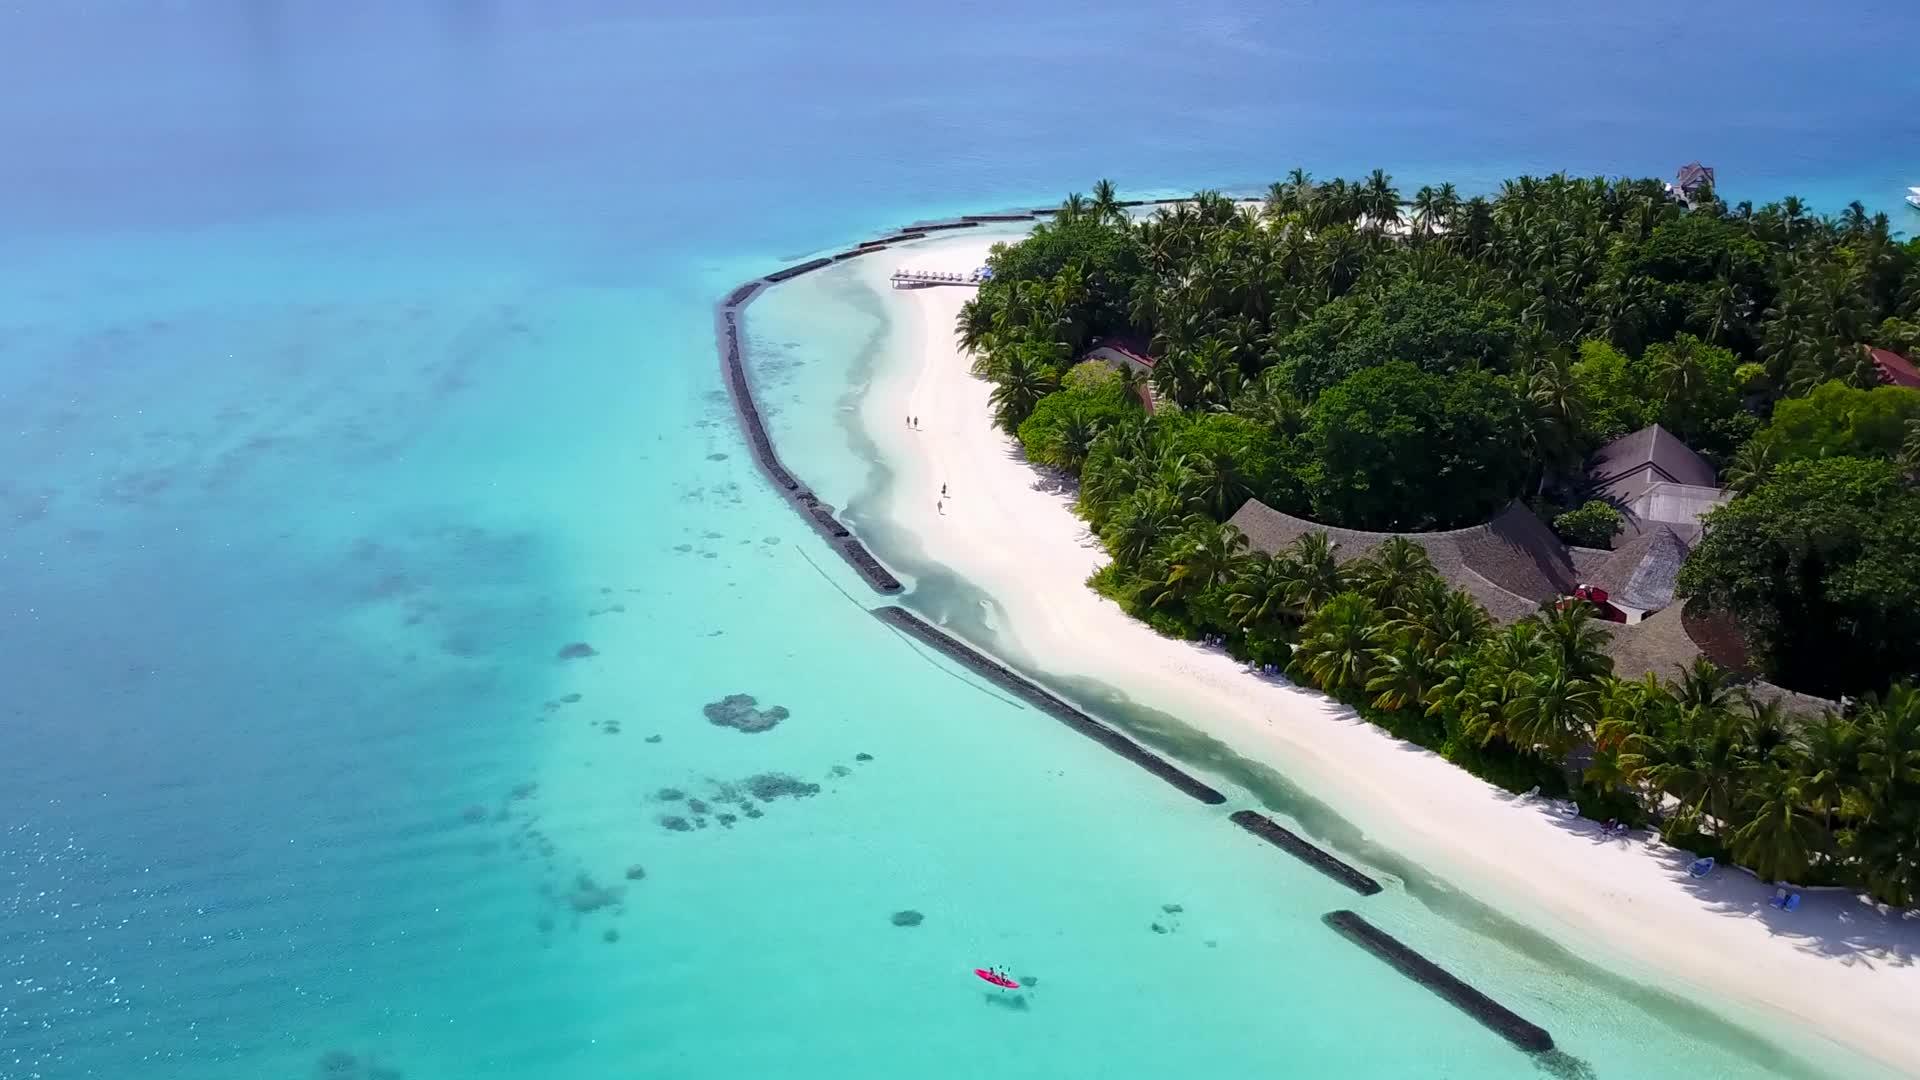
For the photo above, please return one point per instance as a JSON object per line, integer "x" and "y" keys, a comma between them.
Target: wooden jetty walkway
{"x": 921, "y": 279}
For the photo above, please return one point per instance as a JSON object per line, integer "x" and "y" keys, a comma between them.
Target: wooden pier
{"x": 922, "y": 279}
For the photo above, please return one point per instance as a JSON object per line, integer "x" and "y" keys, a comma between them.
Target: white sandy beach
{"x": 1838, "y": 966}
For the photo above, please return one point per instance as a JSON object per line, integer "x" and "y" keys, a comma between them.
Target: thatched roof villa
{"x": 1513, "y": 564}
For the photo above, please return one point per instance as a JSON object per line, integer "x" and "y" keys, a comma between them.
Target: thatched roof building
{"x": 1664, "y": 644}
{"x": 1514, "y": 564}
{"x": 1654, "y": 478}
{"x": 1511, "y": 564}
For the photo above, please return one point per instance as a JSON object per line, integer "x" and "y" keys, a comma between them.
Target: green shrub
{"x": 1592, "y": 526}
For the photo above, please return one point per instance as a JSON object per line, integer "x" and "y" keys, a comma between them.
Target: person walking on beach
{"x": 941, "y": 505}
{"x": 943, "y": 491}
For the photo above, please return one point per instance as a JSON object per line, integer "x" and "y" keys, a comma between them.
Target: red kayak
{"x": 997, "y": 980}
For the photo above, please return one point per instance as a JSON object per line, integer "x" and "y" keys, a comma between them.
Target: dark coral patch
{"x": 739, "y": 712}
{"x": 769, "y": 786}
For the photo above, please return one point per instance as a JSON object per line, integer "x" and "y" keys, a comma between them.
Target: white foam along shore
{"x": 1837, "y": 967}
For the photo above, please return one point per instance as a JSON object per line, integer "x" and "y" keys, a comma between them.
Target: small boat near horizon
{"x": 1913, "y": 197}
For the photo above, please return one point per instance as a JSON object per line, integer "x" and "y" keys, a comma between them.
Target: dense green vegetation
{"x": 1374, "y": 363}
{"x": 1828, "y": 800}
{"x": 1819, "y": 563}
{"x": 1371, "y": 364}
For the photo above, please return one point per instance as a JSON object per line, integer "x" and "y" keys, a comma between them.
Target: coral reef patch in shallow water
{"x": 739, "y": 712}
{"x": 588, "y": 896}
{"x": 768, "y": 786}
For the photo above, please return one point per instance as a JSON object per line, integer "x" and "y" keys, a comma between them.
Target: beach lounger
{"x": 1785, "y": 900}
{"x": 1701, "y": 867}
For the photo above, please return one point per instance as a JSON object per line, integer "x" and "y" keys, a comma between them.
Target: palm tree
{"x": 1704, "y": 689}
{"x": 1177, "y": 378}
{"x": 1725, "y": 308}
{"x": 1218, "y": 486}
{"x": 1752, "y": 464}
{"x": 1337, "y": 644}
{"x": 1885, "y": 853}
{"x": 1832, "y": 764}
{"x": 1425, "y": 210}
{"x": 1551, "y": 711}
{"x": 1380, "y": 202}
{"x": 1574, "y": 642}
{"x": 1854, "y": 219}
{"x": 1264, "y": 590}
{"x": 1301, "y": 189}
{"x": 1320, "y": 576}
{"x": 1209, "y": 555}
{"x": 1078, "y": 429}
{"x": 1630, "y": 709}
{"x": 1403, "y": 675}
{"x": 1560, "y": 408}
{"x": 1106, "y": 203}
{"x": 1792, "y": 220}
{"x": 1281, "y": 201}
{"x": 1392, "y": 571}
{"x": 1890, "y": 739}
{"x": 1141, "y": 524}
{"x": 1022, "y": 380}
{"x": 1678, "y": 371}
{"x": 1446, "y": 621}
{"x": 1480, "y": 684}
{"x": 1271, "y": 401}
{"x": 1779, "y": 838}
{"x": 1219, "y": 372}
{"x": 1703, "y": 753}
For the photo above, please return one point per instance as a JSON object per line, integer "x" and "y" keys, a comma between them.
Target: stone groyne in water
{"x": 1040, "y": 698}
{"x": 1516, "y": 1030}
{"x": 728, "y": 321}
{"x": 1508, "y": 1024}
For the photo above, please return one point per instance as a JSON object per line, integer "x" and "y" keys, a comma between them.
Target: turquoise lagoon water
{"x": 354, "y": 362}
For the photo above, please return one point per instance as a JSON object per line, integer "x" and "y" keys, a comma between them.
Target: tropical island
{"x": 1389, "y": 446}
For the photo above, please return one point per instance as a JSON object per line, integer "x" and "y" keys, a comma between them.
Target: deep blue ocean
{"x": 356, "y": 360}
